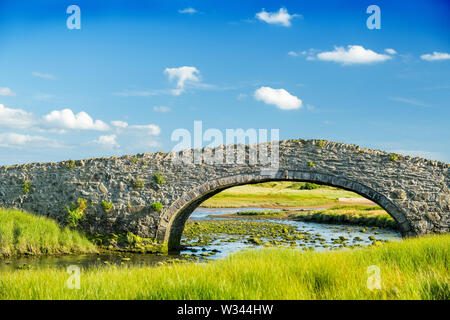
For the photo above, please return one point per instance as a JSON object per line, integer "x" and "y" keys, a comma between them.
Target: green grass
{"x": 276, "y": 194}
{"x": 339, "y": 214}
{"x": 350, "y": 214}
{"x": 412, "y": 269}
{"x": 24, "y": 233}
{"x": 263, "y": 213}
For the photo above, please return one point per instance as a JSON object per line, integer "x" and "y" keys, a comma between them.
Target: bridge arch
{"x": 172, "y": 222}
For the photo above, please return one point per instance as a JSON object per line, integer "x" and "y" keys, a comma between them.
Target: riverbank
{"x": 362, "y": 215}
{"x": 280, "y": 195}
{"x": 206, "y": 237}
{"x": 22, "y": 233}
{"x": 411, "y": 269}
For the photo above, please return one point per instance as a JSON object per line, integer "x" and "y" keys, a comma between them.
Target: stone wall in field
{"x": 414, "y": 191}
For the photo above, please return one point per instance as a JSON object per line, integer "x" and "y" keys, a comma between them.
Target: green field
{"x": 277, "y": 194}
{"x": 24, "y": 233}
{"x": 412, "y": 269}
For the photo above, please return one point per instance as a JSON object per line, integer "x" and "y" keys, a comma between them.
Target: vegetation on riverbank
{"x": 411, "y": 269}
{"x": 24, "y": 233}
{"x": 278, "y": 194}
{"x": 355, "y": 215}
{"x": 203, "y": 233}
{"x": 339, "y": 214}
{"x": 127, "y": 242}
{"x": 259, "y": 233}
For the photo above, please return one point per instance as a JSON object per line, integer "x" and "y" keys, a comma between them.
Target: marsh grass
{"x": 339, "y": 214}
{"x": 24, "y": 233}
{"x": 412, "y": 269}
{"x": 349, "y": 214}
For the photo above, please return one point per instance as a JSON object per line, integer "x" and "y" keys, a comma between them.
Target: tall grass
{"x": 350, "y": 214}
{"x": 24, "y": 233}
{"x": 412, "y": 269}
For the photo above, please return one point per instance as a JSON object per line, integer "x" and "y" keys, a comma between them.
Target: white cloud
{"x": 141, "y": 93}
{"x": 148, "y": 129}
{"x": 108, "y": 141}
{"x": 183, "y": 75}
{"x": 6, "y": 92}
{"x": 43, "y": 96}
{"x": 435, "y": 56}
{"x": 66, "y": 119}
{"x": 352, "y": 55}
{"x": 15, "y": 140}
{"x": 413, "y": 102}
{"x": 293, "y": 53}
{"x": 44, "y": 75}
{"x": 161, "y": 109}
{"x": 189, "y": 10}
{"x": 278, "y": 97}
{"x": 119, "y": 124}
{"x": 15, "y": 118}
{"x": 282, "y": 17}
{"x": 241, "y": 96}
{"x": 390, "y": 51}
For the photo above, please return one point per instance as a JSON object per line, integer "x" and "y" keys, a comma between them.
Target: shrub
{"x": 26, "y": 187}
{"x": 309, "y": 186}
{"x": 70, "y": 164}
{"x": 138, "y": 184}
{"x": 157, "y": 206}
{"x": 135, "y": 160}
{"x": 159, "y": 178}
{"x": 107, "y": 206}
{"x": 311, "y": 164}
{"x": 76, "y": 212}
{"x": 393, "y": 156}
{"x": 321, "y": 143}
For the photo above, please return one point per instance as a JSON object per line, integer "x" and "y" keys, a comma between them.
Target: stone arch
{"x": 172, "y": 221}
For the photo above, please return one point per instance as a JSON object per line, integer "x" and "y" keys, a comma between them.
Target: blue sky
{"x": 138, "y": 70}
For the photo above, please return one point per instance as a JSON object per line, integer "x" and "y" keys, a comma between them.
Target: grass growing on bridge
{"x": 277, "y": 194}
{"x": 24, "y": 233}
{"x": 412, "y": 269}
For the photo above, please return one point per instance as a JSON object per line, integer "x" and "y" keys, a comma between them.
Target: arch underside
{"x": 171, "y": 225}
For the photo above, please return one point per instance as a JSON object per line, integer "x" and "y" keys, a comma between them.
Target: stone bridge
{"x": 414, "y": 191}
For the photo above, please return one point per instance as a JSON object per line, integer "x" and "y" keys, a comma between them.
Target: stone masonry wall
{"x": 415, "y": 191}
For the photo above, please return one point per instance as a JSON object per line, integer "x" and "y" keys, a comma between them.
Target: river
{"x": 219, "y": 248}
